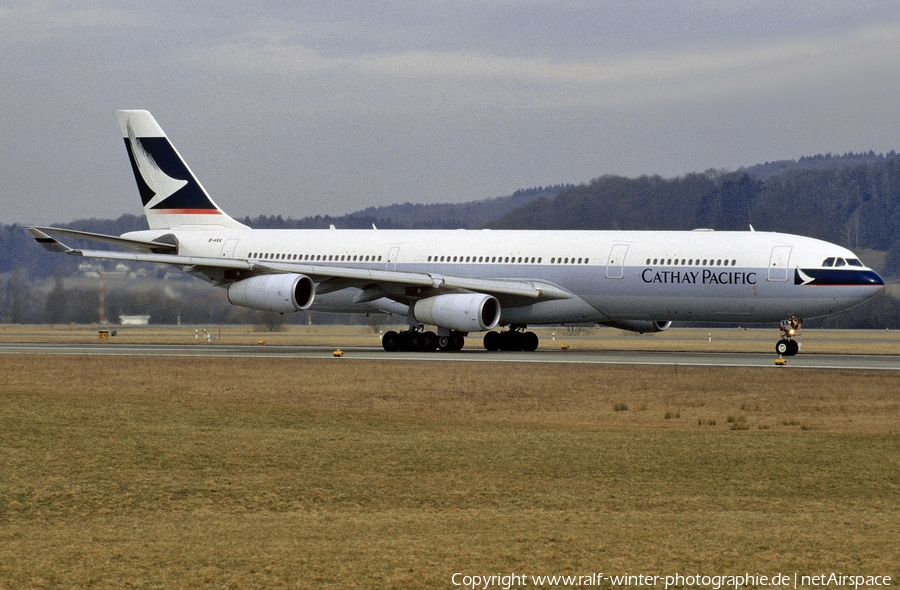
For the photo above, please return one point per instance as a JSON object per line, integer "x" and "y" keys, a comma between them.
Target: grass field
{"x": 341, "y": 473}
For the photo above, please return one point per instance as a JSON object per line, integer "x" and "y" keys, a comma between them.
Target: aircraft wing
{"x": 375, "y": 283}
{"x": 45, "y": 239}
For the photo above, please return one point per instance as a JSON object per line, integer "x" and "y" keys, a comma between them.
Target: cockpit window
{"x": 840, "y": 262}
{"x": 854, "y": 262}
{"x": 828, "y": 262}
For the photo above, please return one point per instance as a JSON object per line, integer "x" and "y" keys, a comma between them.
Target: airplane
{"x": 464, "y": 281}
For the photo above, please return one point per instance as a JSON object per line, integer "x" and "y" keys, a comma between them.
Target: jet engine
{"x": 280, "y": 293}
{"x": 639, "y": 326}
{"x": 465, "y": 312}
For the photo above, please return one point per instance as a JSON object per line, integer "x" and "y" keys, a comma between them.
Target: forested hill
{"x": 819, "y": 162}
{"x": 471, "y": 215}
{"x": 855, "y": 203}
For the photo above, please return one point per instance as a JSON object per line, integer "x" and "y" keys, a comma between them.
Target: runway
{"x": 693, "y": 359}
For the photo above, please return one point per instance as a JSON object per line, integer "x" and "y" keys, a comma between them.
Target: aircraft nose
{"x": 871, "y": 278}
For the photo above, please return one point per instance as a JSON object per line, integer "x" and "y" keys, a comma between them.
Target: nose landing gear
{"x": 787, "y": 346}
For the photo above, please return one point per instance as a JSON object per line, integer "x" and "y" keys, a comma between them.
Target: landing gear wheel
{"x": 431, "y": 341}
{"x": 786, "y": 347}
{"x": 453, "y": 342}
{"x": 415, "y": 342}
{"x": 530, "y": 341}
{"x": 492, "y": 341}
{"x": 390, "y": 341}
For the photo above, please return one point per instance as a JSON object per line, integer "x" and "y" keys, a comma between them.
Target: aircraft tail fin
{"x": 171, "y": 194}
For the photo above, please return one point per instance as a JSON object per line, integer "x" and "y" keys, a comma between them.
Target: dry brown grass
{"x": 336, "y": 473}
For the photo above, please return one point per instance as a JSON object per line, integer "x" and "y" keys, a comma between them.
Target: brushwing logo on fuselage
{"x": 164, "y": 182}
{"x": 829, "y": 277}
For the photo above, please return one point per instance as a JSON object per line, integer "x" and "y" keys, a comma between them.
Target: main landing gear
{"x": 516, "y": 338}
{"x": 787, "y": 346}
{"x": 416, "y": 339}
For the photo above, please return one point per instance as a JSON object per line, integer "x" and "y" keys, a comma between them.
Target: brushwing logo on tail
{"x": 164, "y": 182}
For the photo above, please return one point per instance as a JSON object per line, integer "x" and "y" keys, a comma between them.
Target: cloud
{"x": 48, "y": 21}
{"x": 697, "y": 74}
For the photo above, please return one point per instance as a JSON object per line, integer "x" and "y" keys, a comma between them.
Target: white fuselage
{"x": 612, "y": 275}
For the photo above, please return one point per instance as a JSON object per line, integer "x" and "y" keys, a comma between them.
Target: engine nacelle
{"x": 280, "y": 293}
{"x": 639, "y": 326}
{"x": 466, "y": 312}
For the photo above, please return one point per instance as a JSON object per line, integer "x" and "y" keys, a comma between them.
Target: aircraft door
{"x": 778, "y": 263}
{"x": 615, "y": 268}
{"x": 392, "y": 258}
{"x": 228, "y": 247}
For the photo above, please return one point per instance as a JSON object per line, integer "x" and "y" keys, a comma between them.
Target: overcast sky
{"x": 306, "y": 108}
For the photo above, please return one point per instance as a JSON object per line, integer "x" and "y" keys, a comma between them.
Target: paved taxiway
{"x": 695, "y": 359}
